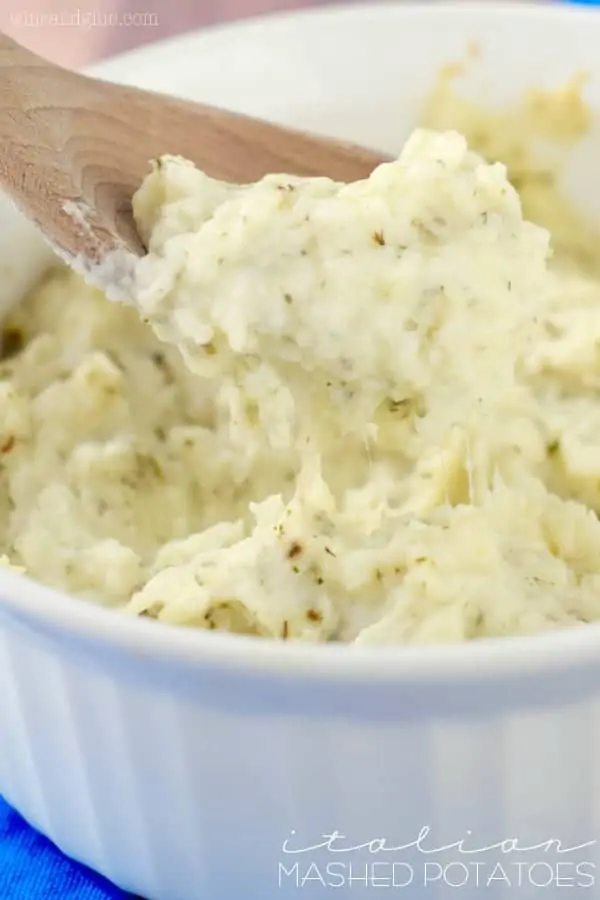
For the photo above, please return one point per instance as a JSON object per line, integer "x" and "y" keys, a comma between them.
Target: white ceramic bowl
{"x": 179, "y": 763}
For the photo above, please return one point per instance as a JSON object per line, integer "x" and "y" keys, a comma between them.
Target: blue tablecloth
{"x": 31, "y": 868}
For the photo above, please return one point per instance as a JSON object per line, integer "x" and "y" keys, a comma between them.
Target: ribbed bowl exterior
{"x": 180, "y": 786}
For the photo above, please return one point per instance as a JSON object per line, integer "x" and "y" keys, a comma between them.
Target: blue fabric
{"x": 31, "y": 868}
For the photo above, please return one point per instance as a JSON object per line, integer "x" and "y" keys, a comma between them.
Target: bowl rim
{"x": 51, "y": 612}
{"x": 121, "y": 66}
{"x": 36, "y": 606}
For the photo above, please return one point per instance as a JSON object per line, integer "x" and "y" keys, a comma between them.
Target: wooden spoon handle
{"x": 14, "y": 54}
{"x": 74, "y": 149}
{"x": 51, "y": 154}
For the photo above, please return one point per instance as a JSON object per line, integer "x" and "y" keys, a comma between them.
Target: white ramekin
{"x": 188, "y": 765}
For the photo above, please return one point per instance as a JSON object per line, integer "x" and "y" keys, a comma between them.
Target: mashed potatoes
{"x": 369, "y": 415}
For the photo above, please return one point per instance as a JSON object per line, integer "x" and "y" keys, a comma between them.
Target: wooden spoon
{"x": 73, "y": 150}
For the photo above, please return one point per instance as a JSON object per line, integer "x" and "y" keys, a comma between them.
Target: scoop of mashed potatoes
{"x": 363, "y": 413}
{"x": 324, "y": 300}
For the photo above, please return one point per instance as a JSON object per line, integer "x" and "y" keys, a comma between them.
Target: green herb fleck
{"x": 12, "y": 341}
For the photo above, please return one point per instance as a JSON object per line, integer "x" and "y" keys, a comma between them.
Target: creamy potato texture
{"x": 344, "y": 412}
